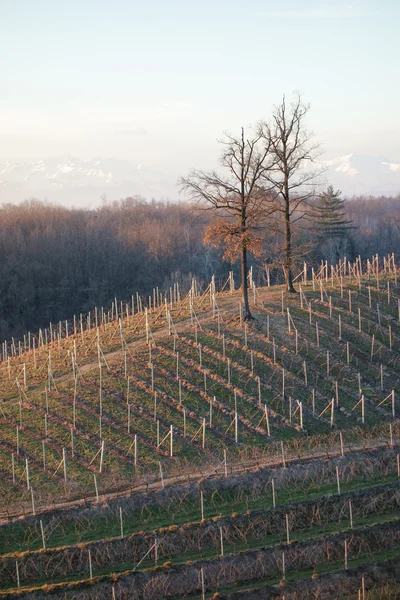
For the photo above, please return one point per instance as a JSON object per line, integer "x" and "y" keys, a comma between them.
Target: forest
{"x": 57, "y": 261}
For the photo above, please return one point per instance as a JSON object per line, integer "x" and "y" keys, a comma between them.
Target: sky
{"x": 159, "y": 82}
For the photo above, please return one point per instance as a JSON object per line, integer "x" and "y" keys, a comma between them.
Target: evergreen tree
{"x": 331, "y": 219}
{"x": 332, "y": 228}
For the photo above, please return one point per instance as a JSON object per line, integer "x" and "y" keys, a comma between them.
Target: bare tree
{"x": 239, "y": 197}
{"x": 291, "y": 152}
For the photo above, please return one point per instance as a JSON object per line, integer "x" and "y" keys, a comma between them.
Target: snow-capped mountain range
{"x": 72, "y": 181}
{"x": 360, "y": 174}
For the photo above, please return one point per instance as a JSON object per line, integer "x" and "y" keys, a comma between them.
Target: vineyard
{"x": 166, "y": 448}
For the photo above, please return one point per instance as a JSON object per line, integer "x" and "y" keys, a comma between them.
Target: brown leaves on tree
{"x": 229, "y": 236}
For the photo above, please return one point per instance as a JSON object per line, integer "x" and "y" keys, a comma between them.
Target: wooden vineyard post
{"x": 359, "y": 320}
{"x": 351, "y": 515}
{"x": 391, "y": 435}
{"x": 202, "y": 505}
{"x": 267, "y": 420}
{"x": 155, "y": 410}
{"x": 44, "y": 454}
{"x": 161, "y": 475}
{"x": 337, "y": 480}
{"x": 135, "y": 451}
{"x": 268, "y": 327}
{"x": 393, "y": 407}
{"x": 28, "y": 485}
{"x": 283, "y": 455}
{"x": 273, "y": 493}
{"x": 345, "y": 555}
{"x": 17, "y": 574}
{"x": 398, "y": 464}
{"x": 158, "y": 433}
{"x": 340, "y": 328}
{"x": 236, "y": 427}
{"x": 221, "y": 538}
{"x": 184, "y": 422}
{"x": 283, "y": 567}
{"x": 90, "y": 565}
{"x": 171, "y": 448}
{"x": 156, "y": 551}
{"x": 13, "y": 466}
{"x": 42, "y": 533}
{"x": 259, "y": 390}
{"x": 287, "y": 529}
{"x": 332, "y": 410}
{"x": 101, "y": 456}
{"x": 362, "y": 409}
{"x": 341, "y": 444}
{"x": 65, "y": 465}
{"x": 305, "y": 372}
{"x": 203, "y": 589}
{"x": 204, "y": 432}
{"x": 33, "y": 502}
{"x": 274, "y": 350}
{"x": 121, "y": 522}
{"x": 95, "y": 487}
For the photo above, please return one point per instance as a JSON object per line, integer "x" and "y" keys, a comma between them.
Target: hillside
{"x": 234, "y": 454}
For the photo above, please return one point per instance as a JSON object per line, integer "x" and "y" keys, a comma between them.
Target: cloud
{"x": 132, "y": 131}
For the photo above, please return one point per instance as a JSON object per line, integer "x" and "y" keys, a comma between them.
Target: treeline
{"x": 57, "y": 262}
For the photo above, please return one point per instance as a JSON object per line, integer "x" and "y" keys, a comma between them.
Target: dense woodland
{"x": 57, "y": 262}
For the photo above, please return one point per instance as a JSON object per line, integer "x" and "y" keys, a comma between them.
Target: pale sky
{"x": 158, "y": 81}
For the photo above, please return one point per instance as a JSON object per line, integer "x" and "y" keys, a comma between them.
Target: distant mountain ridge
{"x": 363, "y": 174}
{"x": 72, "y": 181}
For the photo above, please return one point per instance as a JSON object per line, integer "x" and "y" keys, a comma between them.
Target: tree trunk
{"x": 247, "y": 316}
{"x": 288, "y": 251}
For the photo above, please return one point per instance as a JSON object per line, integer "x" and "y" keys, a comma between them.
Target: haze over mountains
{"x": 71, "y": 181}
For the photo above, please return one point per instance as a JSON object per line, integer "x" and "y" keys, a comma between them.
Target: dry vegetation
{"x": 176, "y": 451}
